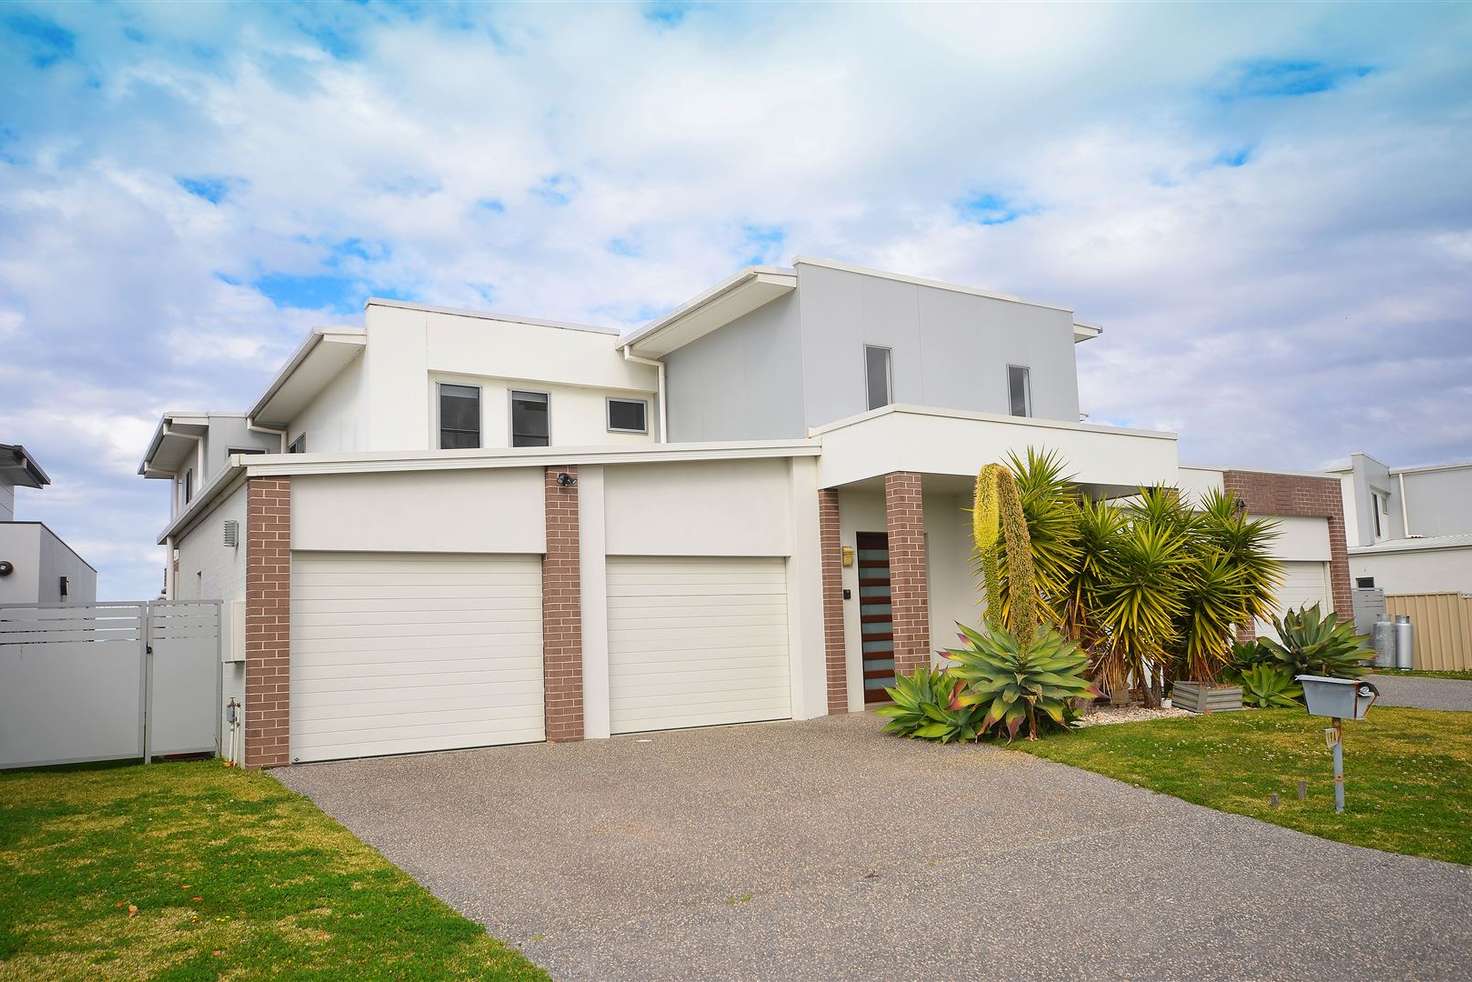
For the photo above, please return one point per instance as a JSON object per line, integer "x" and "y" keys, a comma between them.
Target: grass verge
{"x": 195, "y": 871}
{"x": 1408, "y": 772}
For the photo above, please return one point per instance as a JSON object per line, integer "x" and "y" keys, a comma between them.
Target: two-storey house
{"x": 480, "y": 529}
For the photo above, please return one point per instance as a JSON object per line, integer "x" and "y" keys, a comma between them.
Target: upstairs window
{"x": 299, "y": 445}
{"x": 244, "y": 450}
{"x": 628, "y": 416}
{"x": 529, "y": 415}
{"x": 459, "y": 416}
{"x": 188, "y": 486}
{"x": 1019, "y": 390}
{"x": 878, "y": 376}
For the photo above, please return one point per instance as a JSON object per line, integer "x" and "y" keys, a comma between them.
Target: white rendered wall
{"x": 1300, "y": 538}
{"x": 579, "y": 416}
{"x": 408, "y": 348}
{"x": 334, "y": 421}
{"x": 707, "y": 508}
{"x": 21, "y": 545}
{"x": 954, "y": 593}
{"x": 1196, "y": 482}
{"x": 459, "y": 511}
{"x": 593, "y": 602}
{"x": 1425, "y": 571}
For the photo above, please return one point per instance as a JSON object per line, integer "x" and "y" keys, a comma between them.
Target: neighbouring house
{"x": 36, "y": 566}
{"x": 1410, "y": 528}
{"x": 476, "y": 529}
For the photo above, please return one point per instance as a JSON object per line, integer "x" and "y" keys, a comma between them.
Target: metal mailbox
{"x": 1337, "y": 698}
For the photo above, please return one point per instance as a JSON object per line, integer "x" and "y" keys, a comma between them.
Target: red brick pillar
{"x": 562, "y": 622}
{"x": 267, "y": 621}
{"x": 909, "y": 591}
{"x": 831, "y": 546}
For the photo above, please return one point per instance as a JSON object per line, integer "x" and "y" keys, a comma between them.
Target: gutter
{"x": 1405, "y": 514}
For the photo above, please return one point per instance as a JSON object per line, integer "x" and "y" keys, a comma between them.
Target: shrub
{"x": 925, "y": 708}
{"x": 1312, "y": 644}
{"x": 1267, "y": 686}
{"x": 1014, "y": 681}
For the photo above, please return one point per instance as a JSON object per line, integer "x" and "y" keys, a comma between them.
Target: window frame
{"x": 245, "y": 451}
{"x": 1026, "y": 391}
{"x": 186, "y": 485}
{"x": 299, "y": 445}
{"x": 888, "y": 377}
{"x": 511, "y": 395}
{"x": 439, "y": 416}
{"x": 608, "y": 402}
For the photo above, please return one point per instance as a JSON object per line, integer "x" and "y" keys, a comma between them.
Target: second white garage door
{"x": 1304, "y": 584}
{"x": 696, "y": 642}
{"x": 396, "y": 653}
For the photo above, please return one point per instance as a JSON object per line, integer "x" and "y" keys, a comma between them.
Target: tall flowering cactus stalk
{"x": 998, "y": 529}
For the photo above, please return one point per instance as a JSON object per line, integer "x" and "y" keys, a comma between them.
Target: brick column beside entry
{"x": 1300, "y": 496}
{"x": 562, "y": 622}
{"x": 831, "y": 546}
{"x": 904, "y": 520}
{"x": 267, "y": 622}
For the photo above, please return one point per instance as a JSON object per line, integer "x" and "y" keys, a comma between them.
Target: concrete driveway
{"x": 825, "y": 849}
{"x": 1420, "y": 692}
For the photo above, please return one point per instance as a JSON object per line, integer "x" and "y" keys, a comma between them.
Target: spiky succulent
{"x": 1267, "y": 686}
{"x": 924, "y": 706}
{"x": 1014, "y": 681}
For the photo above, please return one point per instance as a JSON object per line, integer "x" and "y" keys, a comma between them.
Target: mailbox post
{"x": 1338, "y": 699}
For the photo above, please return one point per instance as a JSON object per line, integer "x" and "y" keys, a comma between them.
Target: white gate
{"x": 108, "y": 681}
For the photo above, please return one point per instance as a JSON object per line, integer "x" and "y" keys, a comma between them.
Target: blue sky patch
{"x": 762, "y": 244}
{"x": 368, "y": 250}
{"x": 990, "y": 209}
{"x": 212, "y": 189}
{"x": 557, "y": 189}
{"x": 1234, "y": 158}
{"x": 667, "y": 13}
{"x": 491, "y": 206}
{"x": 1269, "y": 78}
{"x": 47, "y": 41}
{"x": 625, "y": 247}
{"x": 340, "y": 293}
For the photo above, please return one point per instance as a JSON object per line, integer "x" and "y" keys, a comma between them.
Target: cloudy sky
{"x": 1269, "y": 209}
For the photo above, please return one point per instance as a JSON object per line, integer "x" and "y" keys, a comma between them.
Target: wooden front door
{"x": 875, "y": 626}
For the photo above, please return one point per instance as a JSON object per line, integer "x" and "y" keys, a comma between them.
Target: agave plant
{"x": 1015, "y": 681}
{"x": 1267, "y": 686}
{"x": 1310, "y": 643}
{"x": 925, "y": 706}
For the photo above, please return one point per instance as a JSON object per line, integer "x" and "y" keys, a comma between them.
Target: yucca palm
{"x": 1139, "y": 603}
{"x": 1050, "y": 503}
{"x": 1247, "y": 545}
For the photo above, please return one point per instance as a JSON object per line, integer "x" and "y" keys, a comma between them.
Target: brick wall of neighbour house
{"x": 831, "y": 545}
{"x": 562, "y": 635}
{"x": 904, "y": 520}
{"x": 267, "y": 622}
{"x": 1294, "y": 495}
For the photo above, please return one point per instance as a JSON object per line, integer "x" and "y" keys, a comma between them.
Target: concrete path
{"x": 826, "y": 850}
{"x": 1420, "y": 692}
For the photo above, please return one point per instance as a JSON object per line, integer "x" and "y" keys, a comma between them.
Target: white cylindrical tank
{"x": 1405, "y": 640}
{"x": 1384, "y": 638}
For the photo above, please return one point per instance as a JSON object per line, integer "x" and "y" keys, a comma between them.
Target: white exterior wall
{"x": 211, "y": 570}
{"x": 710, "y": 508}
{"x": 451, "y": 511}
{"x": 1300, "y": 539}
{"x": 333, "y": 422}
{"x": 1425, "y": 571}
{"x": 955, "y": 593}
{"x": 1197, "y": 482}
{"x": 21, "y": 545}
{"x": 408, "y": 350}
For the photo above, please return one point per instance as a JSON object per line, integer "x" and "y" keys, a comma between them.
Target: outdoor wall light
{"x": 566, "y": 481}
{"x": 6, "y": 567}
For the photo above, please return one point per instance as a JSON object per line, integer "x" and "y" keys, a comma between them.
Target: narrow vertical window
{"x": 1019, "y": 389}
{"x": 459, "y": 416}
{"x": 878, "y": 375}
{"x": 188, "y": 486}
{"x": 529, "y": 420}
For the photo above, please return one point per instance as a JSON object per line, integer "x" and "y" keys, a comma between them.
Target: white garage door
{"x": 1304, "y": 584}
{"x": 696, "y": 641}
{"x": 395, "y": 653}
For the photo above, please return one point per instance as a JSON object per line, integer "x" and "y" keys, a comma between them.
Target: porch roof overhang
{"x": 947, "y": 443}
{"x": 316, "y": 362}
{"x": 19, "y": 468}
{"x": 175, "y": 443}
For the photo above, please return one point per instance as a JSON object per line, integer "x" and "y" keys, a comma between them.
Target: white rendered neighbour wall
{"x": 1418, "y": 571}
{"x": 334, "y": 421}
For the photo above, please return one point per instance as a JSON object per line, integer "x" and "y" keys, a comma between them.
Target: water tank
{"x": 1405, "y": 639}
{"x": 1383, "y": 636}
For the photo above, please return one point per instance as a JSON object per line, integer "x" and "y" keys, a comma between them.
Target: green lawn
{"x": 1408, "y": 772}
{"x": 195, "y": 871}
{"x": 1429, "y": 674}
